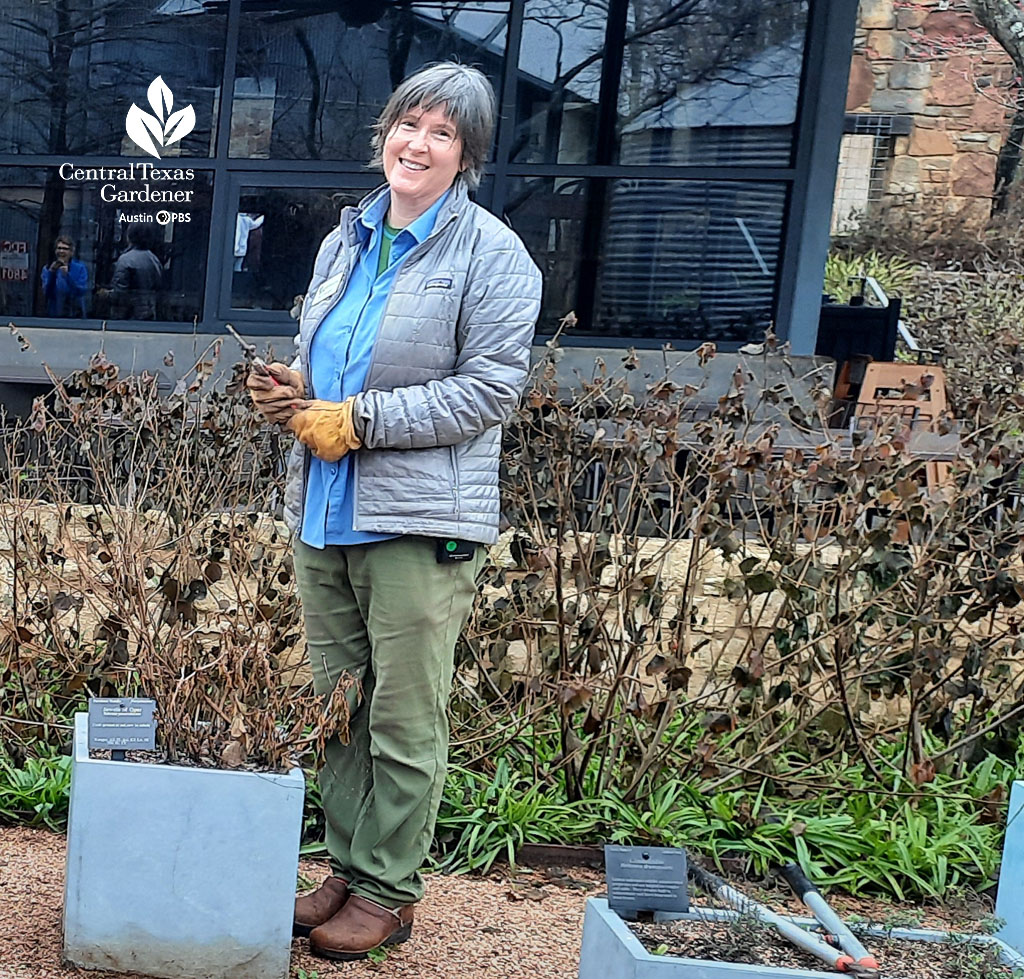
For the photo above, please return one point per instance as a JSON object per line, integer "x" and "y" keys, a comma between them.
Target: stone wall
{"x": 928, "y": 61}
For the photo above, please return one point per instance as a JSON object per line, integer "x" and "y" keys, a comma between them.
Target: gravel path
{"x": 499, "y": 927}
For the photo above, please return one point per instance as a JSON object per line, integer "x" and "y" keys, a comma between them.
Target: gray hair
{"x": 469, "y": 100}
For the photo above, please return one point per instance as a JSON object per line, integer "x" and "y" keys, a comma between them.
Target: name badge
{"x": 329, "y": 287}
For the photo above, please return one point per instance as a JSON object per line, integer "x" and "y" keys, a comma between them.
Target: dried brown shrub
{"x": 710, "y": 589}
{"x": 144, "y": 560}
{"x": 741, "y": 594}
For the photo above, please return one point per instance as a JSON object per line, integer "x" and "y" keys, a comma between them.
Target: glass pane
{"x": 689, "y": 259}
{"x": 705, "y": 82}
{"x": 70, "y": 71}
{"x": 548, "y": 214}
{"x": 309, "y": 86}
{"x": 559, "y": 80}
{"x": 130, "y": 256}
{"x": 277, "y": 233}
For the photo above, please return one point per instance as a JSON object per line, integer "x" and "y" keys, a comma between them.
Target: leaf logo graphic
{"x": 163, "y": 127}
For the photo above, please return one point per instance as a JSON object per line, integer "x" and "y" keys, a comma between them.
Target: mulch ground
{"x": 503, "y": 926}
{"x": 752, "y": 944}
{"x": 526, "y": 924}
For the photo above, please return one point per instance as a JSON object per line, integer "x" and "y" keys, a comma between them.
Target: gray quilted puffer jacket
{"x": 448, "y": 367}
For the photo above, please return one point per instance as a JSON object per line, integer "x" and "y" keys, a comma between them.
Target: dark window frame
{"x": 808, "y": 181}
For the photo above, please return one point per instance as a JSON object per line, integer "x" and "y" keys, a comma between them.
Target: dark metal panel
{"x": 820, "y": 129}
{"x": 651, "y": 171}
{"x": 216, "y": 259}
{"x": 507, "y": 109}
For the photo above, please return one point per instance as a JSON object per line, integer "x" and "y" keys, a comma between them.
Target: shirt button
{"x": 334, "y": 470}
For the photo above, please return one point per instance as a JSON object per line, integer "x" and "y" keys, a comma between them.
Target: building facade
{"x": 930, "y": 103}
{"x": 669, "y": 163}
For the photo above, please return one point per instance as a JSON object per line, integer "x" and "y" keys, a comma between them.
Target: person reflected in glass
{"x": 138, "y": 277}
{"x": 65, "y": 280}
{"x": 413, "y": 348}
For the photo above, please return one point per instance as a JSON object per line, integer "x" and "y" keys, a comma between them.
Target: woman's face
{"x": 422, "y": 157}
{"x": 63, "y": 251}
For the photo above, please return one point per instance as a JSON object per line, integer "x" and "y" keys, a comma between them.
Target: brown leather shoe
{"x": 320, "y": 906}
{"x": 359, "y": 926}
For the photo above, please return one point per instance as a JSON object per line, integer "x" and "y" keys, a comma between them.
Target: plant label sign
{"x": 122, "y": 724}
{"x": 646, "y": 878}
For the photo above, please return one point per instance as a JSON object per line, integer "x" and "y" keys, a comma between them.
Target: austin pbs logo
{"x": 151, "y": 133}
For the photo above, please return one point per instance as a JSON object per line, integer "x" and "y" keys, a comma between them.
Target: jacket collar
{"x": 452, "y": 207}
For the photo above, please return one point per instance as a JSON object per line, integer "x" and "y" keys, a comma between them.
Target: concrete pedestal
{"x": 1010, "y": 896}
{"x": 181, "y": 873}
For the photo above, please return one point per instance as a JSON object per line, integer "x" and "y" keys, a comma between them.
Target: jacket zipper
{"x": 308, "y": 380}
{"x": 418, "y": 250}
{"x": 458, "y": 486}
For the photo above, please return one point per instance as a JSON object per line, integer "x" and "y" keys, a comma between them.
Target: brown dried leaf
{"x": 922, "y": 771}
{"x": 233, "y": 755}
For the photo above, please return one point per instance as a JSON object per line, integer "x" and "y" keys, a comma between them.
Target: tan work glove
{"x": 276, "y": 402}
{"x": 326, "y": 428}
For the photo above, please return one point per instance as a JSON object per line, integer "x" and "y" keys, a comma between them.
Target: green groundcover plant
{"x": 903, "y": 842}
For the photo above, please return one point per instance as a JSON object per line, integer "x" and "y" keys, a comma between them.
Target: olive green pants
{"x": 389, "y": 615}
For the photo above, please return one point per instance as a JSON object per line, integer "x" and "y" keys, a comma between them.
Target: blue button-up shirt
{"x": 339, "y": 360}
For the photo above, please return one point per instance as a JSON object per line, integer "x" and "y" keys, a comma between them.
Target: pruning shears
{"x": 257, "y": 363}
{"x": 850, "y": 956}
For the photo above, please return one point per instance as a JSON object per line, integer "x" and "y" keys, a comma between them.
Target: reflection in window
{"x": 689, "y": 259}
{"x": 702, "y": 82}
{"x": 276, "y": 234}
{"x": 70, "y": 71}
{"x": 310, "y": 86}
{"x": 705, "y": 82}
{"x": 548, "y": 214}
{"x": 70, "y": 252}
{"x": 559, "y": 81}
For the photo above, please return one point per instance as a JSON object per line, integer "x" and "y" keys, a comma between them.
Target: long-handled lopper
{"x": 821, "y": 910}
{"x": 852, "y": 958}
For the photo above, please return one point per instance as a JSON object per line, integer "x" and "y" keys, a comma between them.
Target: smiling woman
{"x": 414, "y": 344}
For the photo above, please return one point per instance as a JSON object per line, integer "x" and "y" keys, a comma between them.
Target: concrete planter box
{"x": 611, "y": 949}
{"x": 1010, "y": 896}
{"x": 182, "y": 873}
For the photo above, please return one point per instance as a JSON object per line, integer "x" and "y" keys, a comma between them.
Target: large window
{"x": 72, "y": 251}
{"x": 675, "y": 258}
{"x": 70, "y": 70}
{"x": 310, "y": 87}
{"x": 277, "y": 232}
{"x": 704, "y": 83}
{"x": 701, "y": 81}
{"x": 646, "y": 151}
{"x": 559, "y": 81}
{"x": 689, "y": 258}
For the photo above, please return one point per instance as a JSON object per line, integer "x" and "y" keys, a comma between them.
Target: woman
{"x": 414, "y": 345}
{"x": 65, "y": 280}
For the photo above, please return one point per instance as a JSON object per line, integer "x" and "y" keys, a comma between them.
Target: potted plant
{"x": 148, "y": 563}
